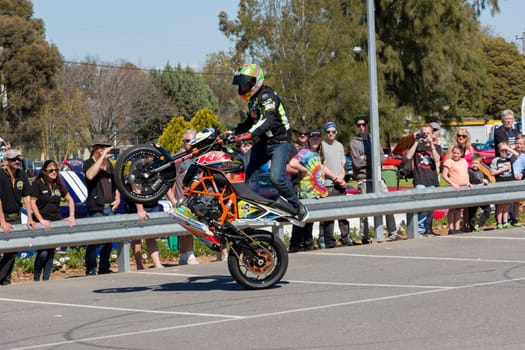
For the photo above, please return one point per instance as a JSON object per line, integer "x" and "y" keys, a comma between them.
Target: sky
{"x": 149, "y": 34}
{"x": 152, "y": 33}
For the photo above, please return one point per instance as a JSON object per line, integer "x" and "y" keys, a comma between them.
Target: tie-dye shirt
{"x": 312, "y": 185}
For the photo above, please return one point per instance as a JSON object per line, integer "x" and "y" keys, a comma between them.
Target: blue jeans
{"x": 424, "y": 218}
{"x": 43, "y": 261}
{"x": 279, "y": 154}
{"x": 105, "y": 251}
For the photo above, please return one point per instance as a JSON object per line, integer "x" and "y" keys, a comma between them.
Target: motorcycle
{"x": 218, "y": 206}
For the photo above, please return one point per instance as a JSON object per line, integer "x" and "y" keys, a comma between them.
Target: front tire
{"x": 136, "y": 176}
{"x": 260, "y": 263}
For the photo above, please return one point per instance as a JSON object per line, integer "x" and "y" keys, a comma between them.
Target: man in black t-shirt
{"x": 14, "y": 187}
{"x": 425, "y": 156}
{"x": 103, "y": 200}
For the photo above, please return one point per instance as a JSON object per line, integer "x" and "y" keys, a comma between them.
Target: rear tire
{"x": 262, "y": 263}
{"x": 136, "y": 178}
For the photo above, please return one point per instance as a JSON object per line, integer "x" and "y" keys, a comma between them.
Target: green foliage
{"x": 219, "y": 69}
{"x": 428, "y": 57}
{"x": 171, "y": 137}
{"x": 186, "y": 89}
{"x": 506, "y": 69}
{"x": 28, "y": 66}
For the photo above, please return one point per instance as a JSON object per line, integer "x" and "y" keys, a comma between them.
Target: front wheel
{"x": 143, "y": 174}
{"x": 259, "y": 262}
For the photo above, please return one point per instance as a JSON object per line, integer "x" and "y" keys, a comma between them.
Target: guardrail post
{"x": 123, "y": 256}
{"x": 412, "y": 225}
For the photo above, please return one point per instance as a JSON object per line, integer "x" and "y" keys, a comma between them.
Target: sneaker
{"x": 393, "y": 237}
{"x": 477, "y": 228}
{"x": 507, "y": 225}
{"x": 499, "y": 227}
{"x": 302, "y": 213}
{"x": 91, "y": 272}
{"x": 516, "y": 224}
{"x": 293, "y": 249}
{"x": 192, "y": 260}
{"x": 346, "y": 242}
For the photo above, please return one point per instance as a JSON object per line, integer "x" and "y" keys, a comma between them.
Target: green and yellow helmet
{"x": 250, "y": 79}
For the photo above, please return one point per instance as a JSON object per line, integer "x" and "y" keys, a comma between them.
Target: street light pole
{"x": 374, "y": 114}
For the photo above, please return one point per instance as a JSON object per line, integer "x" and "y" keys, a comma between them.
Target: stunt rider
{"x": 266, "y": 119}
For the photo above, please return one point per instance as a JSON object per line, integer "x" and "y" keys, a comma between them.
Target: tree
{"x": 171, "y": 137}
{"x": 218, "y": 75}
{"x": 506, "y": 70}
{"x": 27, "y": 63}
{"x": 186, "y": 89}
{"x": 63, "y": 124}
{"x": 428, "y": 55}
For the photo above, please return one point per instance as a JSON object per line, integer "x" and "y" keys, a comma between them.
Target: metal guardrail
{"x": 126, "y": 227}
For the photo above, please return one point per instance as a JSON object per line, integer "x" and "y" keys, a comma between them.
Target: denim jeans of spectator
{"x": 424, "y": 218}
{"x": 105, "y": 251}
{"x": 278, "y": 154}
{"x": 43, "y": 261}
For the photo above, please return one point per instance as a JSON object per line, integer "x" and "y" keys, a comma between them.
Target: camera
{"x": 420, "y": 136}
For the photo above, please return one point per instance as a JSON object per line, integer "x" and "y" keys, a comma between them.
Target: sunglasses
{"x": 361, "y": 124}
{"x": 50, "y": 171}
{"x": 187, "y": 140}
{"x": 17, "y": 159}
{"x": 331, "y": 132}
{"x": 461, "y": 136}
{"x": 303, "y": 134}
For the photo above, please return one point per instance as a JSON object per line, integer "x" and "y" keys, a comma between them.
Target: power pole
{"x": 522, "y": 38}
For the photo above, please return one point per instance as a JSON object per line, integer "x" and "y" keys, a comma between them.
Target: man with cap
{"x": 301, "y": 142}
{"x": 103, "y": 199}
{"x": 334, "y": 159}
{"x": 436, "y": 132}
{"x": 361, "y": 154}
{"x": 14, "y": 187}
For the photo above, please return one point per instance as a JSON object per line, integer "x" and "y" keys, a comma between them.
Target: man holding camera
{"x": 425, "y": 156}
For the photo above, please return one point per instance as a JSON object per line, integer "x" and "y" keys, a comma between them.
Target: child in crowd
{"x": 455, "y": 172}
{"x": 501, "y": 169}
{"x": 477, "y": 178}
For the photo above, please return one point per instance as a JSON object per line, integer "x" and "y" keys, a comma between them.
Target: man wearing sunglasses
{"x": 14, "y": 187}
{"x": 334, "y": 159}
{"x": 361, "y": 154}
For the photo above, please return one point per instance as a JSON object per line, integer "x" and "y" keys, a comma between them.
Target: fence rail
{"x": 126, "y": 227}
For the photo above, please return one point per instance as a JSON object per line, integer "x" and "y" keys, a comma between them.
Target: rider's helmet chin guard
{"x": 250, "y": 79}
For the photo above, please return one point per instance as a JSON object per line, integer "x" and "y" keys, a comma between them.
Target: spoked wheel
{"x": 143, "y": 174}
{"x": 259, "y": 262}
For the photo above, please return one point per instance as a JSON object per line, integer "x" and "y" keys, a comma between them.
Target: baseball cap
{"x": 329, "y": 125}
{"x": 435, "y": 126}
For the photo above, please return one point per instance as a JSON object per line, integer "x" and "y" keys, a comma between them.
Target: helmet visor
{"x": 241, "y": 79}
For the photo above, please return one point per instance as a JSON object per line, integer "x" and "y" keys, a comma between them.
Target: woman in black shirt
{"x": 46, "y": 192}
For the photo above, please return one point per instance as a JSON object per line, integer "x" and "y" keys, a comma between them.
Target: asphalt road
{"x": 451, "y": 292}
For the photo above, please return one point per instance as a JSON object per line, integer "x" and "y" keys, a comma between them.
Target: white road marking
{"x": 270, "y": 314}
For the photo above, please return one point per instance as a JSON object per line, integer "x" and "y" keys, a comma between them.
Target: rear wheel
{"x": 138, "y": 176}
{"x": 259, "y": 262}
